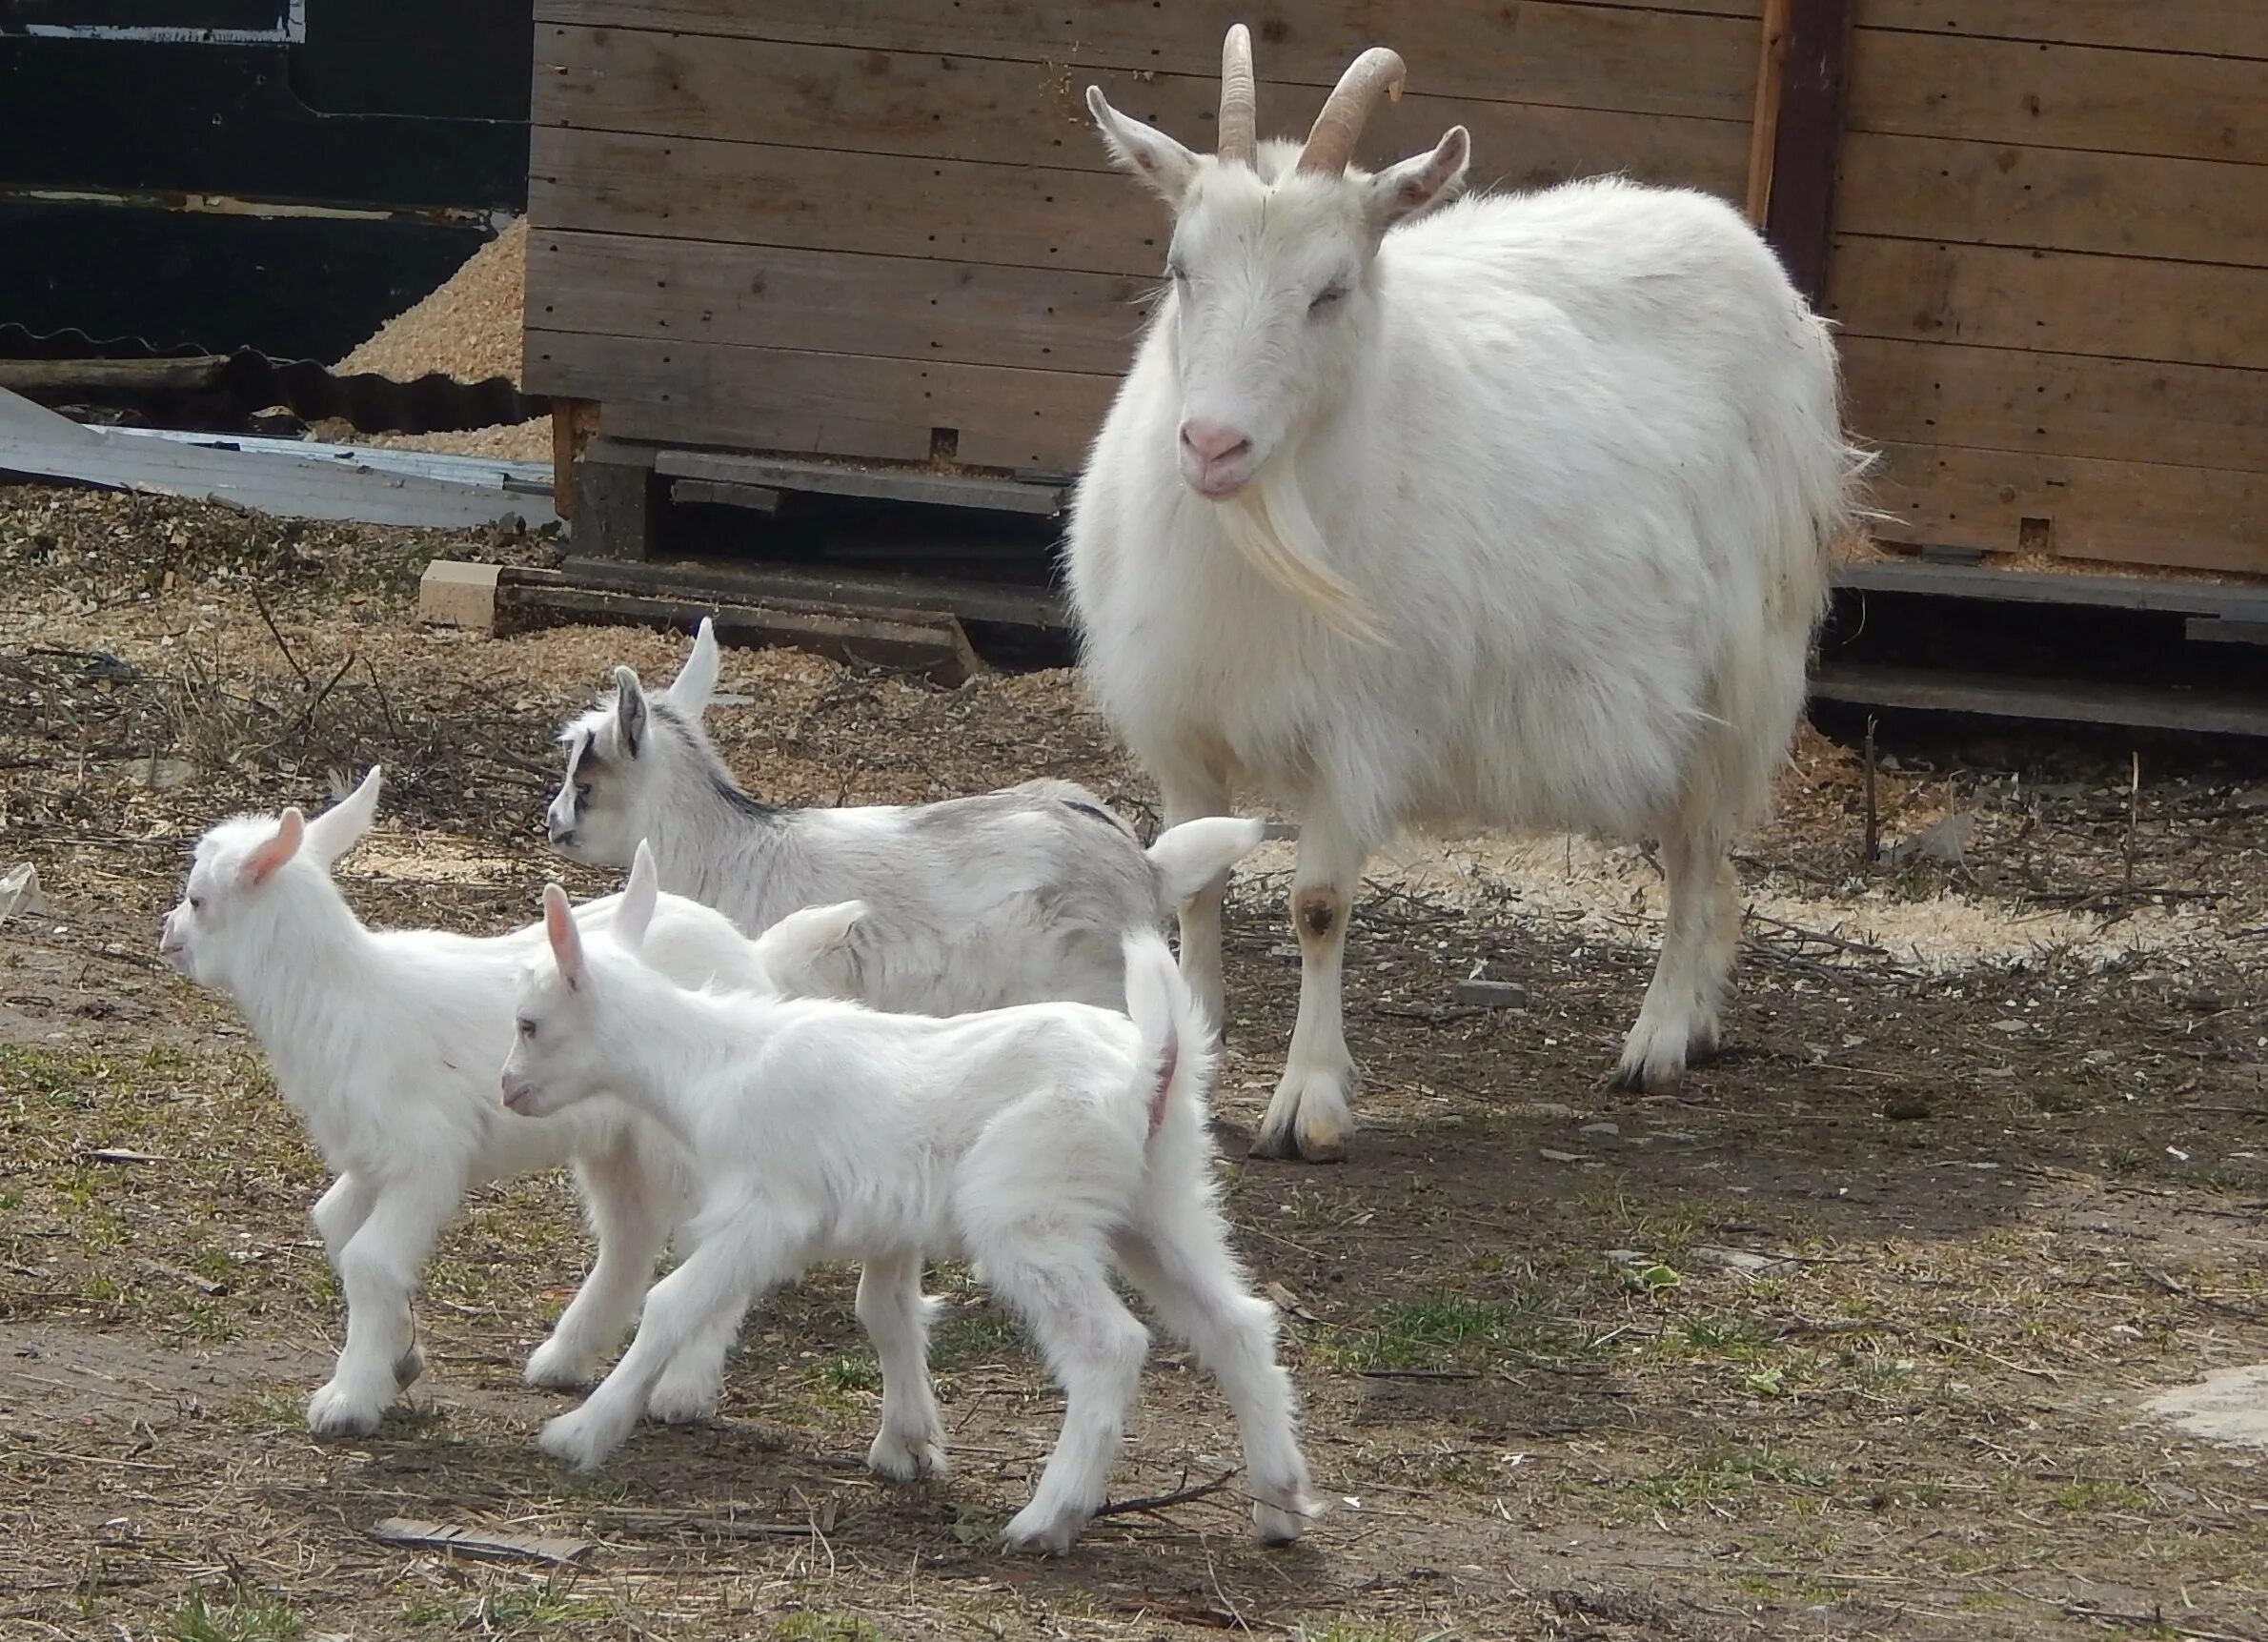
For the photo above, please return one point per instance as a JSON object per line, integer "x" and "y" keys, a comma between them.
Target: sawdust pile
{"x": 469, "y": 329}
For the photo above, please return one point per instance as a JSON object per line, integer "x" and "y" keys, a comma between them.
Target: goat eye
{"x": 582, "y": 792}
{"x": 527, "y": 1028}
{"x": 1325, "y": 297}
{"x": 196, "y": 904}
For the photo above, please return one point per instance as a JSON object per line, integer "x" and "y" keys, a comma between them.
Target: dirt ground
{"x": 1855, "y": 1338}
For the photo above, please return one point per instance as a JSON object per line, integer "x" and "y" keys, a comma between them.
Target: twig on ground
{"x": 1159, "y": 1501}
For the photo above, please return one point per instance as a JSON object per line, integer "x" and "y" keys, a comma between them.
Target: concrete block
{"x": 451, "y": 593}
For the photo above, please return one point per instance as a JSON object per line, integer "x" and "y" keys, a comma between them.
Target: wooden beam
{"x": 2053, "y": 700}
{"x": 65, "y": 379}
{"x": 1807, "y": 138}
{"x": 574, "y": 424}
{"x": 2237, "y": 603}
{"x": 923, "y": 642}
{"x": 874, "y": 592}
{"x": 885, "y": 484}
{"x": 615, "y": 511}
{"x": 1772, "y": 69}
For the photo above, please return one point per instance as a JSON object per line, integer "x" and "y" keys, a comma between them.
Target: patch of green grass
{"x": 974, "y": 1334}
{"x": 1347, "y": 1630}
{"x": 1446, "y": 1330}
{"x": 278, "y": 1407}
{"x": 851, "y": 1375}
{"x": 246, "y": 1616}
{"x": 521, "y": 1608}
{"x": 1714, "y": 1476}
{"x": 1723, "y": 1336}
{"x": 2090, "y": 1495}
{"x": 208, "y": 1322}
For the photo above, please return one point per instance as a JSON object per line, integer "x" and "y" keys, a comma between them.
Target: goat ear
{"x": 635, "y": 909}
{"x": 339, "y": 829}
{"x": 1141, "y": 151}
{"x": 791, "y": 947}
{"x": 689, "y": 692}
{"x": 630, "y": 710}
{"x": 1418, "y": 185}
{"x": 566, "y": 941}
{"x": 290, "y": 828}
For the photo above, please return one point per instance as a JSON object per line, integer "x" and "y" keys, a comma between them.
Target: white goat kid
{"x": 1046, "y": 1142}
{"x": 1509, "y": 512}
{"x": 386, "y": 1044}
{"x": 1011, "y": 897}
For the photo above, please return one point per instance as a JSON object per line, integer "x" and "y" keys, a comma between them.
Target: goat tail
{"x": 1177, "y": 1043}
{"x": 1188, "y": 856}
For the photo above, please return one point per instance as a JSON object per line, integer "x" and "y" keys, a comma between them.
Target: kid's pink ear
{"x": 290, "y": 828}
{"x": 566, "y": 941}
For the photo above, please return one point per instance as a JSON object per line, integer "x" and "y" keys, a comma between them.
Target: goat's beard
{"x": 1270, "y": 525}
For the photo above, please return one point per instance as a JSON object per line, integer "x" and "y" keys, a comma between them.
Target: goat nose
{"x": 1214, "y": 441}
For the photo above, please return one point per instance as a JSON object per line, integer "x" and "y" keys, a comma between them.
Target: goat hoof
{"x": 335, "y": 1411}
{"x": 1276, "y": 1525}
{"x": 1648, "y": 1078}
{"x": 577, "y": 1440}
{"x": 686, "y": 1402}
{"x": 1310, "y": 1117}
{"x": 1050, "y": 1532}
{"x": 1276, "y": 1144}
{"x": 553, "y": 1367}
{"x": 906, "y": 1458}
{"x": 409, "y": 1368}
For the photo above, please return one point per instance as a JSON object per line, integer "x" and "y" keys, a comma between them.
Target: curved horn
{"x": 1240, "y": 109}
{"x": 1331, "y": 145}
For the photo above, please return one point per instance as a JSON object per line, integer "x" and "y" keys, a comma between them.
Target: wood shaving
{"x": 469, "y": 329}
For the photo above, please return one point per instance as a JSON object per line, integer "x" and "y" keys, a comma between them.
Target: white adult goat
{"x": 386, "y": 1044}
{"x": 1011, "y": 897}
{"x": 1046, "y": 1143}
{"x": 1511, "y": 512}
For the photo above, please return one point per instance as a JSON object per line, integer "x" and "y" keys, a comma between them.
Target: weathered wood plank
{"x": 834, "y": 302}
{"x": 963, "y": 108}
{"x": 779, "y": 474}
{"x": 1764, "y": 131}
{"x": 2056, "y": 404}
{"x": 2225, "y": 27}
{"x": 1021, "y": 216}
{"x": 706, "y": 393}
{"x": 2059, "y": 96}
{"x": 1809, "y": 129}
{"x": 2121, "y": 307}
{"x": 2205, "y": 518}
{"x": 2066, "y": 199}
{"x": 828, "y": 435}
{"x": 909, "y": 640}
{"x": 2239, "y": 604}
{"x": 1654, "y": 61}
{"x": 2053, "y": 700}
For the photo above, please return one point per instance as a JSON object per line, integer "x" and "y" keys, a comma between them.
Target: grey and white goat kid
{"x": 1012, "y": 897}
{"x": 1047, "y": 1143}
{"x": 386, "y": 1044}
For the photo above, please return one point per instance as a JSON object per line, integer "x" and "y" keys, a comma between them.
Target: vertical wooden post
{"x": 1806, "y": 140}
{"x": 1771, "y": 67}
{"x": 573, "y": 423}
{"x": 616, "y": 498}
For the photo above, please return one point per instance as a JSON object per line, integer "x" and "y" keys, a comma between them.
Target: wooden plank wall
{"x": 846, "y": 230}
{"x": 2051, "y": 267}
